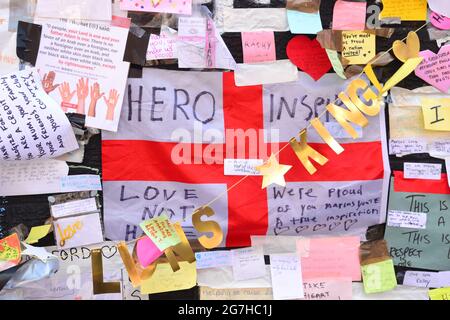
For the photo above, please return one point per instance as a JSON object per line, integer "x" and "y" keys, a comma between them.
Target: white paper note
{"x": 73, "y": 207}
{"x": 82, "y": 182}
{"x": 163, "y": 46}
{"x": 248, "y": 263}
{"x": 242, "y": 167}
{"x": 31, "y": 177}
{"x": 75, "y": 9}
{"x": 407, "y": 146}
{"x": 406, "y": 219}
{"x": 78, "y": 231}
{"x": 286, "y": 274}
{"x": 213, "y": 259}
{"x": 426, "y": 171}
{"x": 257, "y": 19}
{"x": 191, "y": 42}
{"x": 32, "y": 126}
{"x": 265, "y": 73}
{"x": 421, "y": 279}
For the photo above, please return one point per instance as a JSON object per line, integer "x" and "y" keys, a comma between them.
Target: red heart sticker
{"x": 309, "y": 56}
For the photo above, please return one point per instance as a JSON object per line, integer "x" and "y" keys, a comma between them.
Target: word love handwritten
{"x": 68, "y": 232}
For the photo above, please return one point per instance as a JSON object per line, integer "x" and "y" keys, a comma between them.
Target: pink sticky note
{"x": 169, "y": 6}
{"x": 435, "y": 68}
{"x": 332, "y": 257}
{"x": 258, "y": 46}
{"x": 439, "y": 21}
{"x": 349, "y": 15}
{"x": 147, "y": 251}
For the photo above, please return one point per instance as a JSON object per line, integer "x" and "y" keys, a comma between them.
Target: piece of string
{"x": 287, "y": 144}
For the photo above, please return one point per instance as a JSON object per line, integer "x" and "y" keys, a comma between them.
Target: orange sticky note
{"x": 349, "y": 15}
{"x": 9, "y": 252}
{"x": 332, "y": 257}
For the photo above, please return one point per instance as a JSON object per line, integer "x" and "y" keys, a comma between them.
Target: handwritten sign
{"x": 248, "y": 263}
{"x": 286, "y": 276}
{"x": 32, "y": 126}
{"x": 358, "y": 47}
{"x": 434, "y": 68}
{"x": 330, "y": 257}
{"x": 379, "y": 277}
{"x": 213, "y": 259}
{"x": 436, "y": 114}
{"x": 167, "y": 6}
{"x": 161, "y": 232}
{"x": 405, "y": 219}
{"x": 328, "y": 289}
{"x": 406, "y": 10}
{"x": 427, "y": 248}
{"x": 427, "y": 171}
{"x": 258, "y": 46}
{"x": 163, "y": 46}
{"x": 440, "y": 294}
{"x": 349, "y": 15}
{"x": 242, "y": 167}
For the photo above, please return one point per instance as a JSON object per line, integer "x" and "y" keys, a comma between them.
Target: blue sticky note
{"x": 304, "y": 23}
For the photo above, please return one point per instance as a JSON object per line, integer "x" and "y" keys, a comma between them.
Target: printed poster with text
{"x": 82, "y": 68}
{"x": 175, "y": 134}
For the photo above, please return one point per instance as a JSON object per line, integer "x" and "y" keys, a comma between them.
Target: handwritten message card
{"x": 436, "y": 114}
{"x": 168, "y": 6}
{"x": 248, "y": 263}
{"x": 358, "y": 47}
{"x": 242, "y": 167}
{"x": 421, "y": 279}
{"x": 379, "y": 276}
{"x": 286, "y": 275}
{"x": 406, "y": 10}
{"x": 32, "y": 126}
{"x": 163, "y": 46}
{"x": 435, "y": 68}
{"x": 78, "y": 231}
{"x": 417, "y": 170}
{"x": 330, "y": 257}
{"x": 328, "y": 289}
{"x": 161, "y": 232}
{"x": 213, "y": 259}
{"x": 406, "y": 219}
{"x": 421, "y": 248}
{"x": 258, "y": 46}
{"x": 82, "y": 67}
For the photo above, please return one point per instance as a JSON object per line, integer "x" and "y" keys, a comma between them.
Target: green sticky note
{"x": 379, "y": 277}
{"x": 427, "y": 248}
{"x": 336, "y": 63}
{"x": 439, "y": 294}
{"x": 161, "y": 232}
{"x": 37, "y": 233}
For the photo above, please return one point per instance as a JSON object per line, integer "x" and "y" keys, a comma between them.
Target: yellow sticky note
{"x": 358, "y": 47}
{"x": 165, "y": 280}
{"x": 439, "y": 294}
{"x": 406, "y": 10}
{"x": 436, "y": 114}
{"x": 37, "y": 233}
{"x": 379, "y": 277}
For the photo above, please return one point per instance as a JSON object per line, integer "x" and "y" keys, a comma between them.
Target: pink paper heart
{"x": 147, "y": 251}
{"x": 435, "y": 68}
{"x": 439, "y": 21}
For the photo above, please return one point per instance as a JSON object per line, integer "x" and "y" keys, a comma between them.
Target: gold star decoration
{"x": 273, "y": 172}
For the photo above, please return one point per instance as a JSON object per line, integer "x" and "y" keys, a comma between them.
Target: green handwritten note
{"x": 439, "y": 294}
{"x": 379, "y": 277}
{"x": 427, "y": 248}
{"x": 161, "y": 232}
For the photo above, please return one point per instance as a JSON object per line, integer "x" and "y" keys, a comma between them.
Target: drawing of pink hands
{"x": 82, "y": 93}
{"x": 66, "y": 95}
{"x": 95, "y": 96}
{"x": 47, "y": 82}
{"x": 111, "y": 103}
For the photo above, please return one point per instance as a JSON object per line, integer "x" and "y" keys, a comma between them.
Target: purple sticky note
{"x": 147, "y": 251}
{"x": 435, "y": 68}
